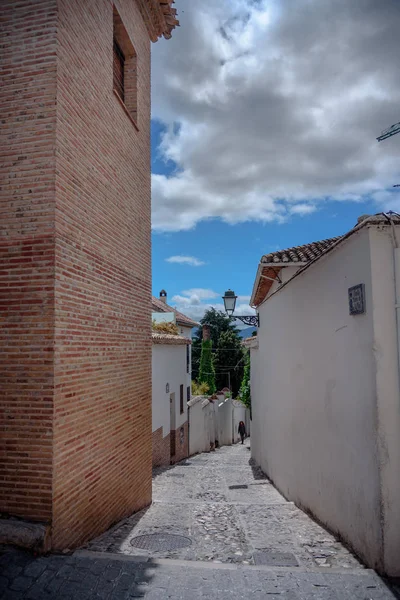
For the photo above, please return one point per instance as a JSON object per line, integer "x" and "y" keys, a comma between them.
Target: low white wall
{"x": 212, "y": 421}
{"x": 202, "y": 418}
{"x": 313, "y": 385}
{"x": 238, "y": 414}
{"x": 224, "y": 421}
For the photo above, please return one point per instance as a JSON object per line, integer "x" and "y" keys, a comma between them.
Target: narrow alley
{"x": 217, "y": 528}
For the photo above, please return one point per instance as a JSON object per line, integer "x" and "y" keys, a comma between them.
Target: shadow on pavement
{"x": 258, "y": 474}
{"x": 393, "y": 584}
{"x": 71, "y": 577}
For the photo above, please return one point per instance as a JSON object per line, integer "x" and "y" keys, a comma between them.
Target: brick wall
{"x": 102, "y": 407}
{"x": 77, "y": 242}
{"x": 161, "y": 448}
{"x": 27, "y": 172}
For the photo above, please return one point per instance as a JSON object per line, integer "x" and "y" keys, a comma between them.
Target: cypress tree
{"x": 207, "y": 371}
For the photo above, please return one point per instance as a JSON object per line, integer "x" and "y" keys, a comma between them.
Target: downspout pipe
{"x": 396, "y": 259}
{"x": 391, "y": 539}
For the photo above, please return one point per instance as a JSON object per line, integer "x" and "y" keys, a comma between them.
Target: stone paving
{"x": 108, "y": 578}
{"x": 249, "y": 525}
{"x": 241, "y": 542}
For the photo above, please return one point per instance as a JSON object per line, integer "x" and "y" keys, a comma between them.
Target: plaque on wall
{"x": 357, "y": 299}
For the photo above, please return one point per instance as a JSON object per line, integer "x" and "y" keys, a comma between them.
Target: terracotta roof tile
{"x": 160, "y": 306}
{"x": 309, "y": 253}
{"x": 299, "y": 254}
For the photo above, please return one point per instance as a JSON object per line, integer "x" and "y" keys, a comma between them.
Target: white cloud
{"x": 273, "y": 107}
{"x": 302, "y": 209}
{"x": 185, "y": 260}
{"x": 203, "y": 293}
{"x": 196, "y": 301}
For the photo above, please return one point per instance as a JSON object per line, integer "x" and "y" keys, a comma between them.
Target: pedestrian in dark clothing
{"x": 242, "y": 431}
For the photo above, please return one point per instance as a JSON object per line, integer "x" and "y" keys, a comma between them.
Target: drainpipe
{"x": 396, "y": 259}
{"x": 390, "y": 455}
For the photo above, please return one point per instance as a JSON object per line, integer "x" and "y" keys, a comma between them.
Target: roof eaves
{"x": 268, "y": 261}
{"x": 159, "y": 17}
{"x": 373, "y": 220}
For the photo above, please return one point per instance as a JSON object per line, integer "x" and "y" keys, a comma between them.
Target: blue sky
{"x": 231, "y": 253}
{"x": 265, "y": 117}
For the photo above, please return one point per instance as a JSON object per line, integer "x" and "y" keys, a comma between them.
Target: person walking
{"x": 242, "y": 431}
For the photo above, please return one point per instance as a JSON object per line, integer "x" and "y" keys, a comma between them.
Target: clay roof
{"x": 250, "y": 342}
{"x": 159, "y": 16}
{"x": 170, "y": 339}
{"x": 272, "y": 263}
{"x": 301, "y": 254}
{"x": 160, "y": 306}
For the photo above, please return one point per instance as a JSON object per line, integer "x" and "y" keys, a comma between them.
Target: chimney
{"x": 206, "y": 332}
{"x": 163, "y": 296}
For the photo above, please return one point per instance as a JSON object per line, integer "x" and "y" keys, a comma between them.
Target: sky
{"x": 265, "y": 115}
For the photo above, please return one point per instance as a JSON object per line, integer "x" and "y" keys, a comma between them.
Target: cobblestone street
{"x": 216, "y": 529}
{"x": 231, "y": 514}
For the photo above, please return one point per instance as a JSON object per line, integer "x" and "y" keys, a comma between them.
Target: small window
{"x": 181, "y": 399}
{"x": 187, "y": 359}
{"x": 124, "y": 68}
{"x": 118, "y": 66}
{"x": 188, "y": 393}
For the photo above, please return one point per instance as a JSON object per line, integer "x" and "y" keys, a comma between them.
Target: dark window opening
{"x": 181, "y": 399}
{"x": 119, "y": 65}
{"x": 187, "y": 359}
{"x": 188, "y": 393}
{"x": 124, "y": 68}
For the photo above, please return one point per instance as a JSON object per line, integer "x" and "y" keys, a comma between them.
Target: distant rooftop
{"x": 170, "y": 339}
{"x": 181, "y": 319}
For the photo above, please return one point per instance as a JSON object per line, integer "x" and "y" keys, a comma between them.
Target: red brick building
{"x": 75, "y": 333}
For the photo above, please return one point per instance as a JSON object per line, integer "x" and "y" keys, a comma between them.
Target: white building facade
{"x": 171, "y": 387}
{"x": 325, "y": 384}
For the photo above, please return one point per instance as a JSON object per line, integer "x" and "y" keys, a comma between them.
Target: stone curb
{"x": 198, "y": 564}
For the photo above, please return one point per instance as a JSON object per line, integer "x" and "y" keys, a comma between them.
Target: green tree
{"x": 229, "y": 361}
{"x": 207, "y": 371}
{"x": 244, "y": 393}
{"x": 218, "y": 322}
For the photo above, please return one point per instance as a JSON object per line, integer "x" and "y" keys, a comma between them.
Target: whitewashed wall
{"x": 238, "y": 414}
{"x": 325, "y": 396}
{"x": 201, "y": 425}
{"x": 224, "y": 421}
{"x": 168, "y": 366}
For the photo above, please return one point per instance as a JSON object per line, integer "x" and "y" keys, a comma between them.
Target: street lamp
{"x": 230, "y": 302}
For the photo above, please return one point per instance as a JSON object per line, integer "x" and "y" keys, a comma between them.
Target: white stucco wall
{"x": 201, "y": 425}
{"x": 168, "y": 366}
{"x": 239, "y": 414}
{"x": 224, "y": 421}
{"x": 284, "y": 275}
{"x": 314, "y": 396}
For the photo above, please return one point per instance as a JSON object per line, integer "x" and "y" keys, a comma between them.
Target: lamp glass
{"x": 229, "y": 301}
